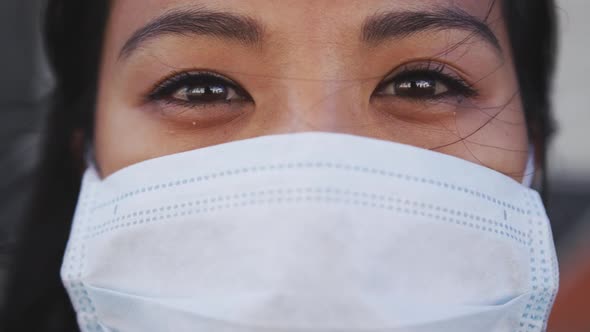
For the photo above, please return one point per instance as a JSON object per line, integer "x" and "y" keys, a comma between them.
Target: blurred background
{"x": 25, "y": 83}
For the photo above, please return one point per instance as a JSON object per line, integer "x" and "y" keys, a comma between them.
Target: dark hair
{"x": 35, "y": 299}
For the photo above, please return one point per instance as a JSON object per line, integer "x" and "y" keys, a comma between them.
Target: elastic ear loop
{"x": 90, "y": 157}
{"x": 529, "y": 171}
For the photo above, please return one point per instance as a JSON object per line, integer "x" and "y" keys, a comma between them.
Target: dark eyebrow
{"x": 200, "y": 22}
{"x": 383, "y": 26}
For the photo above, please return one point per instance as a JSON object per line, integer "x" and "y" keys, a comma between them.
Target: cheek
{"x": 126, "y": 135}
{"x": 493, "y": 137}
{"x": 123, "y": 134}
{"x": 121, "y": 137}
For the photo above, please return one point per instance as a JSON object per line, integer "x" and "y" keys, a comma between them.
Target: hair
{"x": 35, "y": 299}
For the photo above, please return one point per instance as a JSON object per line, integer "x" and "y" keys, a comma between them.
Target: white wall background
{"x": 570, "y": 151}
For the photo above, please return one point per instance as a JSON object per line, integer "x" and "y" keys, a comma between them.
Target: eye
{"x": 419, "y": 86}
{"x": 199, "y": 89}
{"x": 206, "y": 93}
{"x": 424, "y": 83}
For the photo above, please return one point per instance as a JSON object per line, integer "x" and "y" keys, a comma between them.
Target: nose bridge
{"x": 321, "y": 104}
{"x": 320, "y": 84}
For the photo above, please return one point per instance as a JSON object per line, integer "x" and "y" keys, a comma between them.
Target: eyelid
{"x": 428, "y": 64}
{"x": 416, "y": 66}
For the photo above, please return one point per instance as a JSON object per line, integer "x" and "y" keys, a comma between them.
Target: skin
{"x": 311, "y": 72}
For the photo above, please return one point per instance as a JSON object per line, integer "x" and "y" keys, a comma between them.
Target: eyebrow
{"x": 382, "y": 26}
{"x": 197, "y": 21}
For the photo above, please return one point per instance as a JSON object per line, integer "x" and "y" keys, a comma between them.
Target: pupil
{"x": 416, "y": 88}
{"x": 207, "y": 93}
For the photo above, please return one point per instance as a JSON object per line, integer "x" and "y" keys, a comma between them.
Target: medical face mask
{"x": 310, "y": 232}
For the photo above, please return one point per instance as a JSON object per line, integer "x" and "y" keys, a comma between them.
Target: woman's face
{"x": 178, "y": 75}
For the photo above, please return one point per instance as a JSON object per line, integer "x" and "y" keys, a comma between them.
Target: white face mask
{"x": 310, "y": 232}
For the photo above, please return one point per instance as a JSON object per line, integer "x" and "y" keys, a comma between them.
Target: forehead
{"x": 307, "y": 18}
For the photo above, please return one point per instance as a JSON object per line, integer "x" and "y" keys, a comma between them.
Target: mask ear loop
{"x": 90, "y": 158}
{"x": 529, "y": 171}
